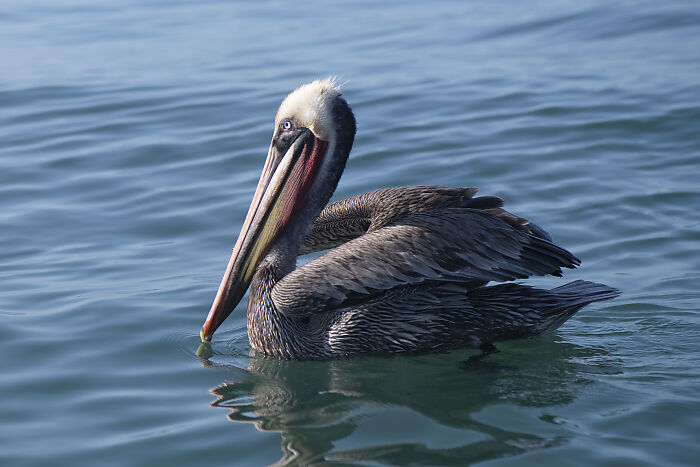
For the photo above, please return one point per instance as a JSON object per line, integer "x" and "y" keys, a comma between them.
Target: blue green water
{"x": 131, "y": 138}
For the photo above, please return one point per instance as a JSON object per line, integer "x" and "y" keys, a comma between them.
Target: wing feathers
{"x": 443, "y": 245}
{"x": 350, "y": 218}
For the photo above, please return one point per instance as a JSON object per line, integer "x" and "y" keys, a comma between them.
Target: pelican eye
{"x": 286, "y": 125}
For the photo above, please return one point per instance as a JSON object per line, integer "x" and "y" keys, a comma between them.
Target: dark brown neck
{"x": 270, "y": 331}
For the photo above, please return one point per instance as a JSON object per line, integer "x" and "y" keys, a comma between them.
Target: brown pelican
{"x": 409, "y": 265}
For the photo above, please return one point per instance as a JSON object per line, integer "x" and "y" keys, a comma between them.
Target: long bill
{"x": 281, "y": 191}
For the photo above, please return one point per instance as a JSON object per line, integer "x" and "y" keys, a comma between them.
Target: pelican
{"x": 408, "y": 267}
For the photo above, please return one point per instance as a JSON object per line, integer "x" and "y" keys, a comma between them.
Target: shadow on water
{"x": 316, "y": 405}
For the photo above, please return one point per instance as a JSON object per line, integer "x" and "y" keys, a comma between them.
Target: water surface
{"x": 131, "y": 138}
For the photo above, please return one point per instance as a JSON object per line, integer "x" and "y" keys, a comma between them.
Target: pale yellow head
{"x": 314, "y": 132}
{"x": 310, "y": 106}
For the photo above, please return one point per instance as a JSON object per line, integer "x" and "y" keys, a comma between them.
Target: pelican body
{"x": 408, "y": 267}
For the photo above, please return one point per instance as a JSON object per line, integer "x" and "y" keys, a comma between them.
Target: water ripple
{"x": 132, "y": 138}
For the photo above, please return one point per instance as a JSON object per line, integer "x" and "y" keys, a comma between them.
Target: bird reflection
{"x": 314, "y": 405}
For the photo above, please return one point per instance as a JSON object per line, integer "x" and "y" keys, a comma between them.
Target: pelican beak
{"x": 281, "y": 192}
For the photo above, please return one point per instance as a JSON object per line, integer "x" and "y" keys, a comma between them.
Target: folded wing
{"x": 453, "y": 244}
{"x": 343, "y": 220}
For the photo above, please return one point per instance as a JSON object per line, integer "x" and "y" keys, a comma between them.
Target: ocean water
{"x": 132, "y": 135}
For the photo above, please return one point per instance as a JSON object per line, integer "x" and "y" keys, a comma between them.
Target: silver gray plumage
{"x": 408, "y": 274}
{"x": 407, "y": 269}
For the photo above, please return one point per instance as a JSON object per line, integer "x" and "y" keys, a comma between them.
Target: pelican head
{"x": 314, "y": 131}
